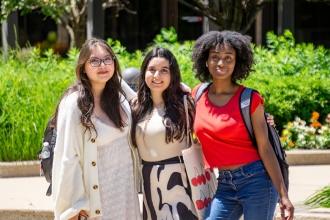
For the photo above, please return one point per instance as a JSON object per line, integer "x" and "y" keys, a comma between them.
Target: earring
{"x": 207, "y": 64}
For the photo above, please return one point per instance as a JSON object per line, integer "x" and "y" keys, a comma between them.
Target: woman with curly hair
{"x": 159, "y": 133}
{"x": 250, "y": 180}
{"x": 94, "y": 165}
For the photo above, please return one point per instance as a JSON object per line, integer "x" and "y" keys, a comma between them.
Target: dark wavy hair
{"x": 173, "y": 97}
{"x": 110, "y": 97}
{"x": 240, "y": 43}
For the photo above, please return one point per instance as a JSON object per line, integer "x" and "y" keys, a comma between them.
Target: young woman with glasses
{"x": 94, "y": 166}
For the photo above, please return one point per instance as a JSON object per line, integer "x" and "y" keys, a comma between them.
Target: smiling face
{"x": 158, "y": 75}
{"x": 100, "y": 66}
{"x": 221, "y": 62}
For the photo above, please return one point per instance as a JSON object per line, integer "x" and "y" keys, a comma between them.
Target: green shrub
{"x": 293, "y": 79}
{"x": 30, "y": 88}
{"x": 321, "y": 198}
{"x": 125, "y": 58}
{"x": 181, "y": 50}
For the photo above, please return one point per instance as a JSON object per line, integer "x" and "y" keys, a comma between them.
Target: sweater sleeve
{"x": 130, "y": 93}
{"x": 68, "y": 186}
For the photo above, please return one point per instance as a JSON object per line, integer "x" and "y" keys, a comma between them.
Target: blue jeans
{"x": 247, "y": 190}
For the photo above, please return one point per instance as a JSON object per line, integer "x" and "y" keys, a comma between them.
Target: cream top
{"x": 150, "y": 138}
{"x": 119, "y": 198}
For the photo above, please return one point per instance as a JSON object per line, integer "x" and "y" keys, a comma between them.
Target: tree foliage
{"x": 236, "y": 15}
{"x": 72, "y": 14}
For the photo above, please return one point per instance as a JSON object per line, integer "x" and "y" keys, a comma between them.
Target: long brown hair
{"x": 175, "y": 117}
{"x": 110, "y": 97}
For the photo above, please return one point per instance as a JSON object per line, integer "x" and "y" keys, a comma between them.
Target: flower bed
{"x": 300, "y": 135}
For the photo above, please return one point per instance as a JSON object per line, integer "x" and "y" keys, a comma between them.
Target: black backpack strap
{"x": 200, "y": 90}
{"x": 245, "y": 108}
{"x": 274, "y": 139}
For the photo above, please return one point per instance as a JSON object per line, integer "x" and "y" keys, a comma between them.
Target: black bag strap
{"x": 245, "y": 108}
{"x": 188, "y": 129}
{"x": 200, "y": 90}
{"x": 279, "y": 151}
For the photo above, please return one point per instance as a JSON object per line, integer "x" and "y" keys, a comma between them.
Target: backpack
{"x": 274, "y": 139}
{"x": 47, "y": 153}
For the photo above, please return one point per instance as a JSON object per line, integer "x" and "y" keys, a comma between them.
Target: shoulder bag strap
{"x": 188, "y": 132}
{"x": 245, "y": 106}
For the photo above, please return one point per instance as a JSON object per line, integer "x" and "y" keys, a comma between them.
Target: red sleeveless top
{"x": 221, "y": 131}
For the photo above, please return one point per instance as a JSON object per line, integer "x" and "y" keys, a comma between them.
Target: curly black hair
{"x": 240, "y": 43}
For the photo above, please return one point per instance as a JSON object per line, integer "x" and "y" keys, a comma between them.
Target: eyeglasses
{"x": 96, "y": 62}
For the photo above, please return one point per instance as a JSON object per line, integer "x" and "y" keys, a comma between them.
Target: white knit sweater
{"x": 75, "y": 167}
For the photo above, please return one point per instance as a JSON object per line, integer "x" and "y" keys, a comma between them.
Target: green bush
{"x": 293, "y": 79}
{"x": 321, "y": 198}
{"x": 167, "y": 38}
{"x": 30, "y": 88}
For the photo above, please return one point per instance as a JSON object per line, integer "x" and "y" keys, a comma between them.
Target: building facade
{"x": 307, "y": 20}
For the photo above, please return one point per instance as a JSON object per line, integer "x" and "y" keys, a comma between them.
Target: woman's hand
{"x": 287, "y": 209}
{"x": 270, "y": 120}
{"x": 82, "y": 215}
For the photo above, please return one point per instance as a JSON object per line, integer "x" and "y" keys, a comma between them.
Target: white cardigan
{"x": 75, "y": 156}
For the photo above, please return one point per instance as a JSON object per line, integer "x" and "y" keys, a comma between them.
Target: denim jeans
{"x": 247, "y": 190}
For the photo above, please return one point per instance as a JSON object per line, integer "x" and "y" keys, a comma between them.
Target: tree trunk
{"x": 80, "y": 32}
{"x": 63, "y": 40}
{"x": 237, "y": 15}
{"x": 71, "y": 35}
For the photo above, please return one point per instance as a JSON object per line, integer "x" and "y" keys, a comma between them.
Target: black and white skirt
{"x": 166, "y": 191}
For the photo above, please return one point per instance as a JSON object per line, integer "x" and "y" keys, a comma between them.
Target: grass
{"x": 321, "y": 198}
{"x": 29, "y": 91}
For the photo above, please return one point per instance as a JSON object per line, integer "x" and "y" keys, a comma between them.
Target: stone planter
{"x": 19, "y": 168}
{"x": 26, "y": 215}
{"x": 294, "y": 157}
{"x": 308, "y": 157}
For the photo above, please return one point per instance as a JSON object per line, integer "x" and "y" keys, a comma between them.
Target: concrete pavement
{"x": 23, "y": 198}
{"x": 304, "y": 182}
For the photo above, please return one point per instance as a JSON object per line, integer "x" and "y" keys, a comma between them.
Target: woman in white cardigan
{"x": 94, "y": 165}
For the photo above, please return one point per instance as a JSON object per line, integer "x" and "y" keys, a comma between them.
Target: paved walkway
{"x": 21, "y": 195}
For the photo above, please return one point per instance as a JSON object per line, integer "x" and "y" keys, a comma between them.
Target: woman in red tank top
{"x": 250, "y": 180}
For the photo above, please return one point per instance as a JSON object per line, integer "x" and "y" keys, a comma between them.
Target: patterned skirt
{"x": 166, "y": 191}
